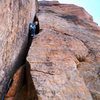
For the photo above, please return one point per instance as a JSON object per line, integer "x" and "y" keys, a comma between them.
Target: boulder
{"x": 54, "y": 68}
{"x": 64, "y": 57}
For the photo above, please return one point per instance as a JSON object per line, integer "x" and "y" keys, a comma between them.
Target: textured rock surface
{"x": 15, "y": 16}
{"x": 17, "y": 83}
{"x": 53, "y": 68}
{"x": 65, "y": 57}
{"x": 22, "y": 87}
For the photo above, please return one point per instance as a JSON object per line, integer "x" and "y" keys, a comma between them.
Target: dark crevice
{"x": 44, "y": 72}
{"x": 22, "y": 87}
{"x": 81, "y": 59}
{"x": 27, "y": 91}
{"x": 27, "y": 84}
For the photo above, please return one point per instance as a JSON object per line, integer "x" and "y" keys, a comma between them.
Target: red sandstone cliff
{"x": 64, "y": 58}
{"x": 15, "y": 16}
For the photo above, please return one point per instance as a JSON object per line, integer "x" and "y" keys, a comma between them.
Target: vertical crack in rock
{"x": 26, "y": 89}
{"x": 15, "y": 16}
{"x": 22, "y": 87}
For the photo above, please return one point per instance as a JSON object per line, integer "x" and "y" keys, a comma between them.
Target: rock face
{"x": 15, "y": 16}
{"x": 22, "y": 87}
{"x": 65, "y": 56}
{"x": 46, "y": 2}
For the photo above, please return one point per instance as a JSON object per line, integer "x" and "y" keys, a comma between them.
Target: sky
{"x": 91, "y": 6}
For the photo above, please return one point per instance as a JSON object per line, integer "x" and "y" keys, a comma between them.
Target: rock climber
{"x": 34, "y": 28}
{"x": 37, "y": 24}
